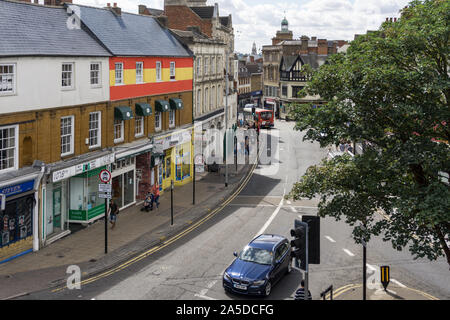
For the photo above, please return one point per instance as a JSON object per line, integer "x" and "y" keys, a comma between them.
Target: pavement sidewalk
{"x": 135, "y": 232}
{"x": 394, "y": 292}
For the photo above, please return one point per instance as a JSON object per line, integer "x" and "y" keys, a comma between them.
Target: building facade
{"x": 74, "y": 101}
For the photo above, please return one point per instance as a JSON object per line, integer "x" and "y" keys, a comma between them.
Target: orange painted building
{"x": 132, "y": 77}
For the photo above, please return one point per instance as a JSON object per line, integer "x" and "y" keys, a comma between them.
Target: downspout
{"x": 37, "y": 183}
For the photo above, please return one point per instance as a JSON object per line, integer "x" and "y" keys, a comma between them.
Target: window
{"x": 296, "y": 90}
{"x": 119, "y": 73}
{"x": 172, "y": 118}
{"x": 7, "y": 78}
{"x": 205, "y": 102}
{"x": 172, "y": 70}
{"x": 213, "y": 66}
{"x": 8, "y": 148}
{"x": 95, "y": 74}
{"x": 219, "y": 65}
{"x": 199, "y": 67}
{"x": 158, "y": 71}
{"x": 158, "y": 121}
{"x": 213, "y": 97}
{"x": 118, "y": 130}
{"x": 94, "y": 129}
{"x": 284, "y": 91}
{"x": 67, "y": 130}
{"x": 139, "y": 126}
{"x": 67, "y": 76}
{"x": 206, "y": 66}
{"x": 199, "y": 101}
{"x": 139, "y": 72}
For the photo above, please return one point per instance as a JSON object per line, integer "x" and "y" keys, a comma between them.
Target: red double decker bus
{"x": 262, "y": 117}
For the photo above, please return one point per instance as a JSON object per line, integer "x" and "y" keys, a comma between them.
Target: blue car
{"x": 262, "y": 263}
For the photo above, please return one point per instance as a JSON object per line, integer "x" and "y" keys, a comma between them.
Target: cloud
{"x": 258, "y": 20}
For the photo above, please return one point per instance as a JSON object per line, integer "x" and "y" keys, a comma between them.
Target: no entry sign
{"x": 105, "y": 176}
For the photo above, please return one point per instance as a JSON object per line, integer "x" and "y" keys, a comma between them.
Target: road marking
{"x": 330, "y": 239}
{"x": 204, "y": 297}
{"x": 398, "y": 283}
{"x": 153, "y": 250}
{"x": 293, "y": 209}
{"x": 348, "y": 252}
{"x": 288, "y": 202}
{"x": 373, "y": 268}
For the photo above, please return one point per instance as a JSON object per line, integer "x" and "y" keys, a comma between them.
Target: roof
{"x": 254, "y": 68}
{"x": 289, "y": 61}
{"x": 131, "y": 34}
{"x": 36, "y": 30}
{"x": 224, "y": 21}
{"x": 266, "y": 241}
{"x": 206, "y": 12}
{"x": 155, "y": 12}
{"x": 314, "y": 60}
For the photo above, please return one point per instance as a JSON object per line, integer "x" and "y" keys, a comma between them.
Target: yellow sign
{"x": 385, "y": 276}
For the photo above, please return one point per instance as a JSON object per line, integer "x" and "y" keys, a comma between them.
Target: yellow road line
{"x": 170, "y": 241}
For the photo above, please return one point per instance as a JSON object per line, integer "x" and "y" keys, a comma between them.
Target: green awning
{"x": 123, "y": 113}
{"x": 162, "y": 106}
{"x": 176, "y": 104}
{"x": 143, "y": 109}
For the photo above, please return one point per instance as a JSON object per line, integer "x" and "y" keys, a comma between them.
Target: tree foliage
{"x": 391, "y": 89}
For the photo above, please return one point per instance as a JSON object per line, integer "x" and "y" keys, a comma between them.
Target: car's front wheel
{"x": 268, "y": 289}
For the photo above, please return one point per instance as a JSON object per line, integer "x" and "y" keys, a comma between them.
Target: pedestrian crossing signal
{"x": 385, "y": 276}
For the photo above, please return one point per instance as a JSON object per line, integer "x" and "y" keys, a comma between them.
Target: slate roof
{"x": 35, "y": 30}
{"x": 289, "y": 61}
{"x": 204, "y": 12}
{"x": 131, "y": 34}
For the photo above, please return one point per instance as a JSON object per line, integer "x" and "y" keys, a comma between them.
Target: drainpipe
{"x": 37, "y": 183}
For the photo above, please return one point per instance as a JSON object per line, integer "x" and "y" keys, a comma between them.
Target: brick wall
{"x": 181, "y": 17}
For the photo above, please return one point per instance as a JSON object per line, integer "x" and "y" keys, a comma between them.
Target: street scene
{"x": 146, "y": 154}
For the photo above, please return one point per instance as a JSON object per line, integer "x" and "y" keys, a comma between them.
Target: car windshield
{"x": 266, "y": 115}
{"x": 256, "y": 255}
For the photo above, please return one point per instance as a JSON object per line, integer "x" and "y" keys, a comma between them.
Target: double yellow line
{"x": 173, "y": 239}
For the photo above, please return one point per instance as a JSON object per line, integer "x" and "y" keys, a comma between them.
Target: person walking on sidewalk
{"x": 113, "y": 211}
{"x": 300, "y": 293}
{"x": 155, "y": 194}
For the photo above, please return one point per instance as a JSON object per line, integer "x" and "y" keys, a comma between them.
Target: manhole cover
{"x": 93, "y": 260}
{"x": 60, "y": 256}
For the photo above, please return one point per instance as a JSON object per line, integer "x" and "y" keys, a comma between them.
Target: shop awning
{"x": 143, "y": 109}
{"x": 176, "y": 104}
{"x": 162, "y": 105}
{"x": 123, "y": 113}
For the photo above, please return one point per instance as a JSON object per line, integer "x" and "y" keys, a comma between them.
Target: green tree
{"x": 390, "y": 89}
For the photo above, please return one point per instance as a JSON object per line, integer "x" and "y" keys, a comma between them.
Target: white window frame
{"x": 158, "y": 121}
{"x": 199, "y": 67}
{"x": 98, "y": 130}
{"x": 99, "y": 74}
{"x": 213, "y": 66}
{"x": 15, "y": 148}
{"x": 158, "y": 71}
{"x": 71, "y": 135}
{"x": 140, "y": 77}
{"x": 117, "y": 72}
{"x": 8, "y": 75}
{"x": 72, "y": 75}
{"x": 206, "y": 71}
{"x": 120, "y": 125}
{"x": 138, "y": 124}
{"x": 172, "y": 71}
{"x": 172, "y": 118}
{"x": 199, "y": 101}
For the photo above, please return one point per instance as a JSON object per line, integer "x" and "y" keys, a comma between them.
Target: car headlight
{"x": 226, "y": 276}
{"x": 259, "y": 282}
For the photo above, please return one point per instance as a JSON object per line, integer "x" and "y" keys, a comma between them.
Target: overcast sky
{"x": 258, "y": 20}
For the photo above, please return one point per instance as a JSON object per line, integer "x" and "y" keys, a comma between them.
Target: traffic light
{"x": 313, "y": 238}
{"x": 298, "y": 245}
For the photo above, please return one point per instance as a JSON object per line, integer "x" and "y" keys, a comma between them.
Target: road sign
{"x": 385, "y": 276}
{"x": 105, "y": 195}
{"x": 105, "y": 176}
{"x": 104, "y": 188}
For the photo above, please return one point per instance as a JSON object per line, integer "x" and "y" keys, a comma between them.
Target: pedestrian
{"x": 300, "y": 293}
{"x": 155, "y": 194}
{"x": 113, "y": 212}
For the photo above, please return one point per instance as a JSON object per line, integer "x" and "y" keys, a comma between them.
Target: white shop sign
{"x": 173, "y": 140}
{"x": 81, "y": 168}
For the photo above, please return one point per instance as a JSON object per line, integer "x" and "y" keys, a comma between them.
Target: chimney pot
{"x": 108, "y": 4}
{"x": 115, "y": 4}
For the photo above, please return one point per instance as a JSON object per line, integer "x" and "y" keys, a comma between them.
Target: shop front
{"x": 123, "y": 182}
{"x": 72, "y": 197}
{"x": 18, "y": 219}
{"x": 177, "y": 158}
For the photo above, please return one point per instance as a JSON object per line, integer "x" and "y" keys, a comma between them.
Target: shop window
{"x": 183, "y": 162}
{"x": 16, "y": 221}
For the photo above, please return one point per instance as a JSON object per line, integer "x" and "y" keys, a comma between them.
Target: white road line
{"x": 330, "y": 239}
{"x": 348, "y": 252}
{"x": 293, "y": 209}
{"x": 288, "y": 202}
{"x": 398, "y": 283}
{"x": 204, "y": 297}
{"x": 373, "y": 268}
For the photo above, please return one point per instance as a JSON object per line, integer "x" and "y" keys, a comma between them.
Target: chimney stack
{"x": 116, "y": 9}
{"x": 163, "y": 20}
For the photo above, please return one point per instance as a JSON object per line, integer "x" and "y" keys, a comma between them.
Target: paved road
{"x": 192, "y": 267}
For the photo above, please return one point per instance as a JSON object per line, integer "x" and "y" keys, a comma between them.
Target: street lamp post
{"x": 226, "y": 119}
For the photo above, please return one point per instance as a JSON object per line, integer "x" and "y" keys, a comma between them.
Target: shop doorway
{"x": 124, "y": 189}
{"x": 167, "y": 169}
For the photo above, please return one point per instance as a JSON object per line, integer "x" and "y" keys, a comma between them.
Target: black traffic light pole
{"x": 306, "y": 263}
